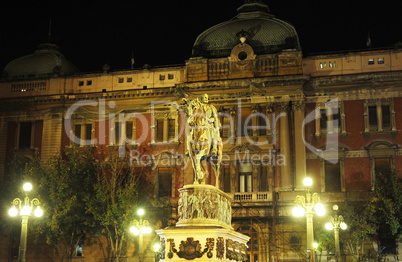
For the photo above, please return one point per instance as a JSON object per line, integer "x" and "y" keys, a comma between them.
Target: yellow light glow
{"x": 134, "y": 230}
{"x": 38, "y": 212}
{"x": 298, "y": 211}
{"x": 140, "y": 212}
{"x": 13, "y": 211}
{"x": 307, "y": 181}
{"x": 157, "y": 247}
{"x": 319, "y": 209}
{"x": 26, "y": 211}
{"x": 343, "y": 225}
{"x": 27, "y": 187}
{"x": 329, "y": 226}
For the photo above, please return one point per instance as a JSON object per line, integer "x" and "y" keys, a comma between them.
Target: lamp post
{"x": 24, "y": 209}
{"x": 335, "y": 224}
{"x": 309, "y": 205}
{"x": 140, "y": 228}
{"x": 157, "y": 247}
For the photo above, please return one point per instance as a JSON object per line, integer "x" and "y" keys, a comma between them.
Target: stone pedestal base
{"x": 202, "y": 244}
{"x": 203, "y": 231}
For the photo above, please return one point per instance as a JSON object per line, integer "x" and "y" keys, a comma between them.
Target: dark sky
{"x": 162, "y": 32}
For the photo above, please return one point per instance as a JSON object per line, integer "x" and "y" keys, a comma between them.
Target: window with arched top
{"x": 252, "y": 244}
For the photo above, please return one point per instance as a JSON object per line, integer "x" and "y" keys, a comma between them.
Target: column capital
{"x": 282, "y": 106}
{"x": 298, "y": 105}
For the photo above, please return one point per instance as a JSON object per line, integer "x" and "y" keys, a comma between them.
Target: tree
{"x": 64, "y": 182}
{"x": 116, "y": 196}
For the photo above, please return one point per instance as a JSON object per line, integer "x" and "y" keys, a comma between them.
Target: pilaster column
{"x": 285, "y": 181}
{"x": 300, "y": 148}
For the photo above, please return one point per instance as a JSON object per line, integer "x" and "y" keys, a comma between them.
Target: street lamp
{"x": 24, "y": 208}
{"x": 157, "y": 247}
{"x": 309, "y": 205}
{"x": 140, "y": 228}
{"x": 335, "y": 223}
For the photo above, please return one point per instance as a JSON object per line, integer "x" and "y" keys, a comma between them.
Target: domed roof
{"x": 45, "y": 62}
{"x": 264, "y": 33}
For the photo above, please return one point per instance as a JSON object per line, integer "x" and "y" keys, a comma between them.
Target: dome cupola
{"x": 254, "y": 22}
{"x": 45, "y": 62}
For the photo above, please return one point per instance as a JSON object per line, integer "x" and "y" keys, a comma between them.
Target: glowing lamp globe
{"x": 298, "y": 211}
{"x": 140, "y": 212}
{"x": 38, "y": 212}
{"x": 13, "y": 211}
{"x": 146, "y": 230}
{"x": 27, "y": 187}
{"x": 26, "y": 211}
{"x": 319, "y": 209}
{"x": 134, "y": 230}
{"x": 307, "y": 181}
{"x": 329, "y": 226}
{"x": 343, "y": 225}
{"x": 157, "y": 247}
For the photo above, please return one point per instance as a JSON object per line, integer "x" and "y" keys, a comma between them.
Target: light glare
{"x": 13, "y": 211}
{"x": 343, "y": 225}
{"x": 140, "y": 212}
{"x": 27, "y": 187}
{"x": 134, "y": 230}
{"x": 307, "y": 181}
{"x": 319, "y": 209}
{"x": 329, "y": 226}
{"x": 26, "y": 211}
{"x": 157, "y": 247}
{"x": 298, "y": 211}
{"x": 38, "y": 212}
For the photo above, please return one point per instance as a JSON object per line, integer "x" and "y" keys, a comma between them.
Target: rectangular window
{"x": 371, "y": 61}
{"x": 225, "y": 125}
{"x": 380, "y": 60}
{"x": 263, "y": 178}
{"x": 165, "y": 181}
{"x": 161, "y": 77}
{"x": 332, "y": 177}
{"x": 77, "y": 132}
{"x": 88, "y": 131}
{"x": 80, "y": 83}
{"x": 171, "y": 129}
{"x": 245, "y": 177}
{"x": 129, "y": 130}
{"x": 386, "y": 117}
{"x": 129, "y": 79}
{"x": 332, "y": 64}
{"x": 323, "y": 120}
{"x": 25, "y": 136}
{"x": 159, "y": 130}
{"x": 89, "y": 82}
{"x": 372, "y": 114}
{"x": 262, "y": 122}
{"x": 170, "y": 76}
{"x": 323, "y": 65}
{"x": 225, "y": 177}
{"x": 117, "y": 133}
{"x": 121, "y": 80}
{"x": 244, "y": 127}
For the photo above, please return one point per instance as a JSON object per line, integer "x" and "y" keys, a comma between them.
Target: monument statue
{"x": 203, "y": 141}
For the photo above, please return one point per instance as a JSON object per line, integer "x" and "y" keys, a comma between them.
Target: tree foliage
{"x": 62, "y": 184}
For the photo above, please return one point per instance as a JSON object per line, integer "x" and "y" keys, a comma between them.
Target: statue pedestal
{"x": 203, "y": 231}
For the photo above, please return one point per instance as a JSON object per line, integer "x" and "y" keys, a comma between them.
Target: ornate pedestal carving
{"x": 203, "y": 231}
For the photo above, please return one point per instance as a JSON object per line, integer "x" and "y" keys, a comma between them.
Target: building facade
{"x": 333, "y": 117}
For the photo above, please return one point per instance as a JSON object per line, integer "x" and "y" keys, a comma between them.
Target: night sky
{"x": 162, "y": 32}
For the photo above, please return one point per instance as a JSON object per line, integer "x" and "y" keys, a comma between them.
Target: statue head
{"x": 204, "y": 98}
